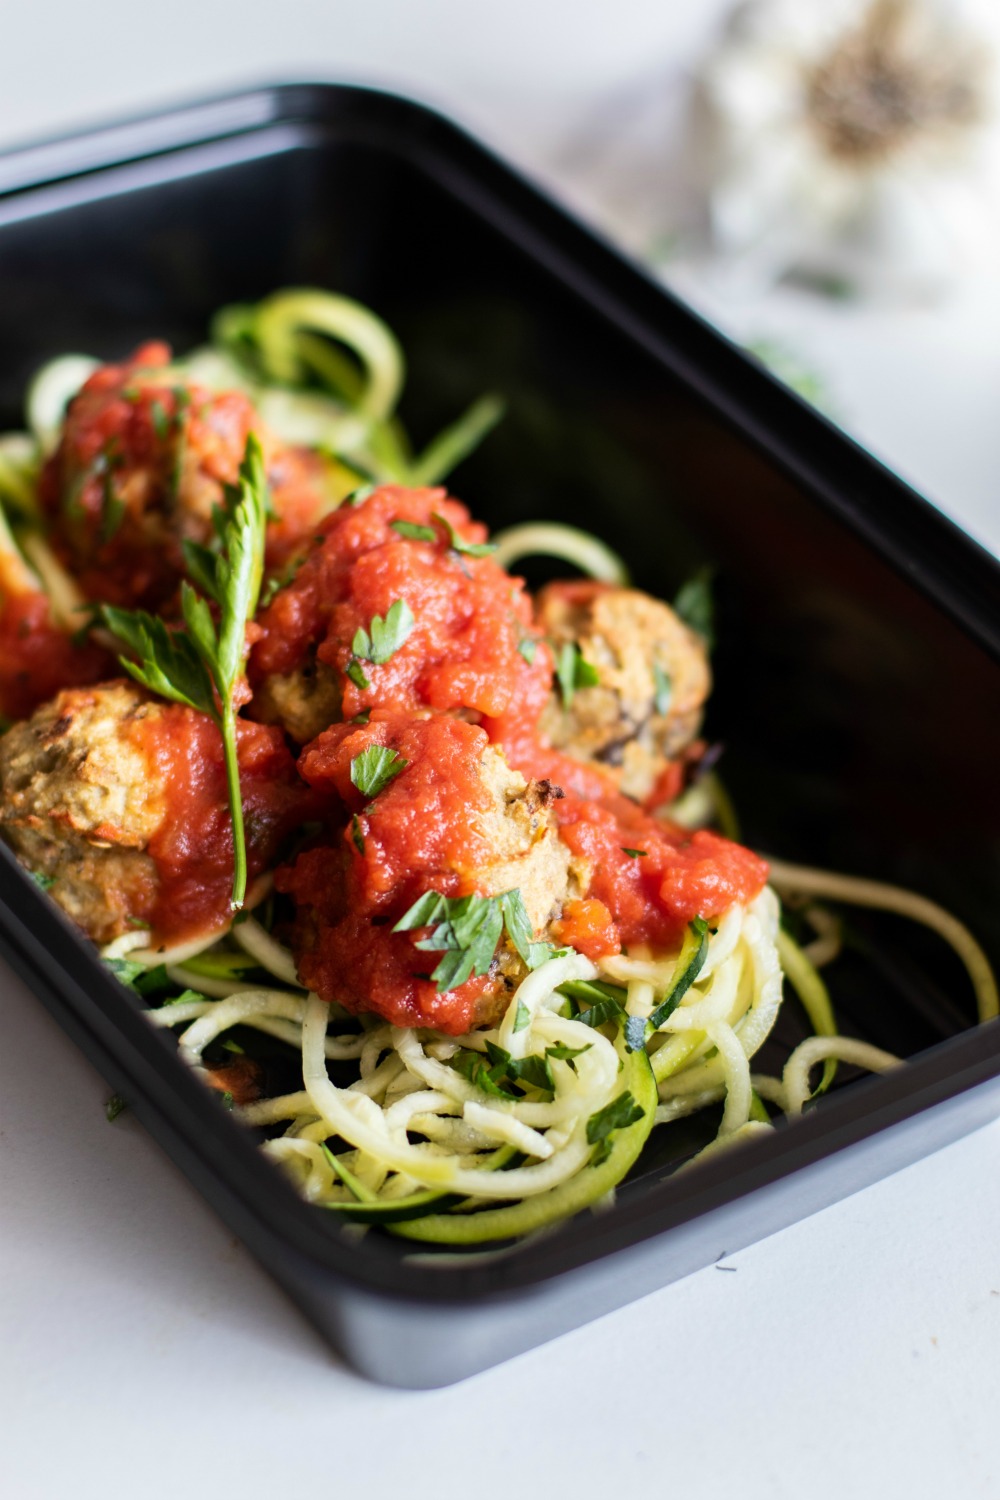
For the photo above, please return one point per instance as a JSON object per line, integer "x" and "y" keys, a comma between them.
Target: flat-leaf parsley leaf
{"x": 201, "y": 664}
{"x": 573, "y": 672}
{"x": 374, "y": 768}
{"x": 384, "y": 637}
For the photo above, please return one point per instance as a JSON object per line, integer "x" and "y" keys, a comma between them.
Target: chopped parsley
{"x": 573, "y": 672}
{"x": 384, "y": 637}
{"x": 357, "y": 836}
{"x": 562, "y": 1053}
{"x": 695, "y": 605}
{"x": 114, "y": 1107}
{"x": 374, "y": 768}
{"x": 618, "y": 1115}
{"x": 161, "y": 419}
{"x": 356, "y": 673}
{"x": 279, "y": 581}
{"x": 466, "y": 930}
{"x": 465, "y": 549}
{"x": 635, "y": 853}
{"x": 527, "y": 647}
{"x": 664, "y": 689}
{"x": 491, "y": 1072}
{"x": 41, "y": 879}
{"x": 414, "y": 532}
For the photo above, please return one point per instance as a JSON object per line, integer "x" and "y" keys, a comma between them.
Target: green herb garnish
{"x": 374, "y": 768}
{"x": 527, "y": 647}
{"x": 114, "y": 1107}
{"x": 413, "y": 532}
{"x": 601, "y": 1012}
{"x": 533, "y": 1070}
{"x": 466, "y": 549}
{"x": 384, "y": 637}
{"x": 635, "y": 853}
{"x": 357, "y": 837}
{"x": 161, "y": 419}
{"x": 566, "y": 1054}
{"x": 46, "y": 882}
{"x": 201, "y": 664}
{"x": 695, "y": 605}
{"x": 573, "y": 672}
{"x": 466, "y": 929}
{"x": 112, "y": 510}
{"x": 279, "y": 581}
{"x": 664, "y": 689}
{"x": 618, "y": 1115}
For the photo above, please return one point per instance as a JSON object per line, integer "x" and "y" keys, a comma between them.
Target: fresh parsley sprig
{"x": 572, "y": 672}
{"x": 200, "y": 664}
{"x": 466, "y": 929}
{"x": 374, "y": 768}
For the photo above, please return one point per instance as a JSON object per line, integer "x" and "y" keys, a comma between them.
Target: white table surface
{"x": 142, "y": 1352}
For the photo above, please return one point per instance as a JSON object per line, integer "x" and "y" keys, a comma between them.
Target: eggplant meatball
{"x": 142, "y": 464}
{"x": 304, "y": 702}
{"x": 81, "y": 801}
{"x": 652, "y": 680}
{"x": 119, "y": 803}
{"x": 452, "y": 818}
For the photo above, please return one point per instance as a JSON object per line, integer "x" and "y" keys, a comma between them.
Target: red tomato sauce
{"x": 469, "y": 615}
{"x": 37, "y": 659}
{"x": 417, "y": 834}
{"x": 142, "y": 462}
{"x": 466, "y": 654}
{"x": 193, "y": 847}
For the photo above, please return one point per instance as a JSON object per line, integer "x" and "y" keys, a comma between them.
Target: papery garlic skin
{"x": 854, "y": 141}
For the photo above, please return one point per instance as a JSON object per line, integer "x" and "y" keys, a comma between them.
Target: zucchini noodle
{"x": 552, "y": 539}
{"x": 803, "y": 881}
{"x": 415, "y": 1144}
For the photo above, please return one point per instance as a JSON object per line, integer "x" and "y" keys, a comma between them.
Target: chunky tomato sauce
{"x": 193, "y": 847}
{"x": 142, "y": 462}
{"x": 419, "y": 833}
{"x": 37, "y": 659}
{"x": 469, "y": 616}
{"x": 472, "y": 650}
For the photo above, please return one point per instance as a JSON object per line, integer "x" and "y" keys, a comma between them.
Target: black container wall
{"x": 856, "y": 676}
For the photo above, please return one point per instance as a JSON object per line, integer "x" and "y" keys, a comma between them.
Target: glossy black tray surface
{"x": 856, "y": 675}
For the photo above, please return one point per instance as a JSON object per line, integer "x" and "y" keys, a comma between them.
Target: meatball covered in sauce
{"x": 397, "y": 606}
{"x": 118, "y": 802}
{"x": 451, "y": 817}
{"x": 143, "y": 462}
{"x": 652, "y": 679}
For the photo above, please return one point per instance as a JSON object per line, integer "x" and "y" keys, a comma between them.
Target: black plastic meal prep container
{"x": 856, "y": 667}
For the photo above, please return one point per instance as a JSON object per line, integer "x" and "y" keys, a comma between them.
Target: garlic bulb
{"x": 853, "y": 141}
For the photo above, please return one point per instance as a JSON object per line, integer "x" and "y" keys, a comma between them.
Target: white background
{"x": 142, "y": 1353}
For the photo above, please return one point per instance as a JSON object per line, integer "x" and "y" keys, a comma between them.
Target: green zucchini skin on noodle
{"x": 394, "y": 1211}
{"x": 589, "y": 1184}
